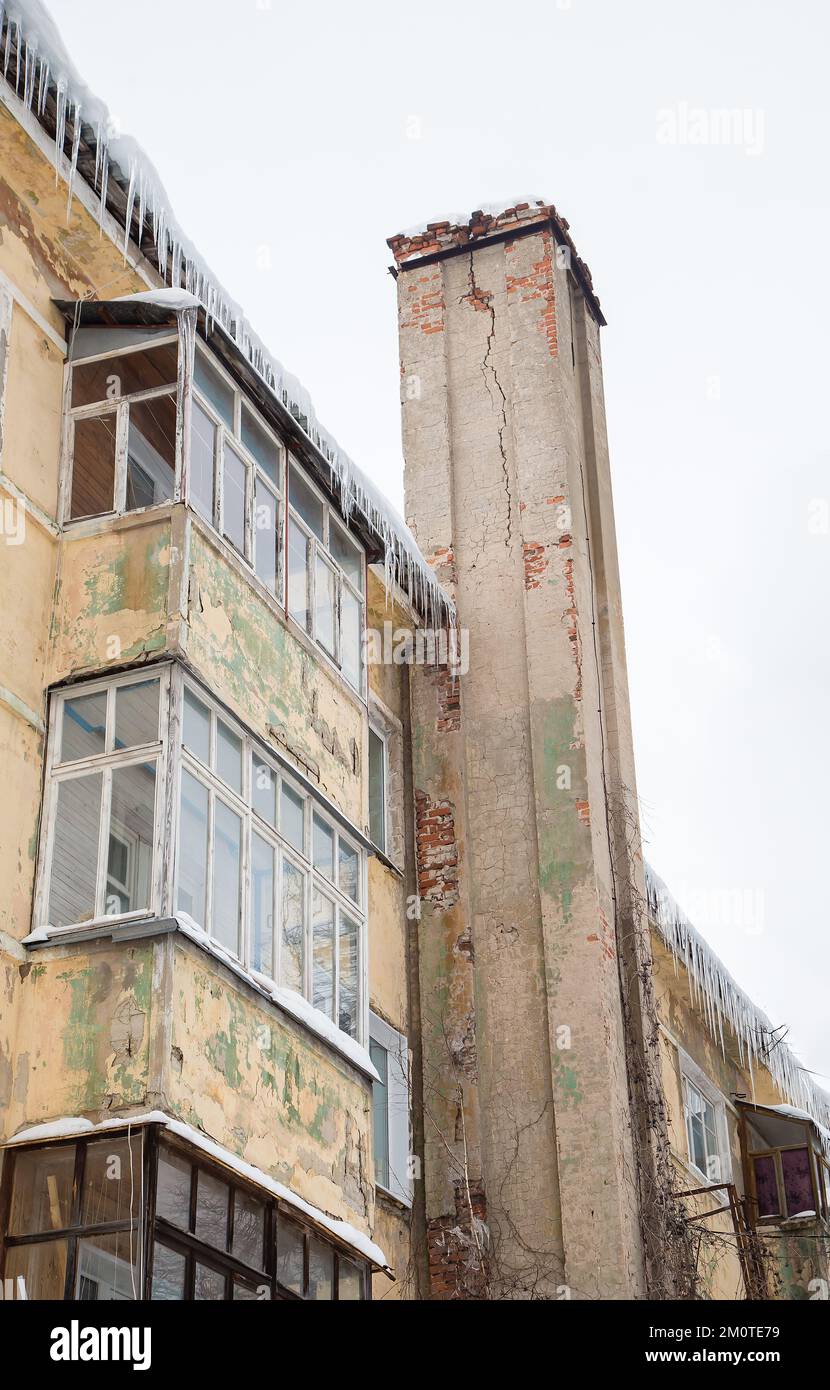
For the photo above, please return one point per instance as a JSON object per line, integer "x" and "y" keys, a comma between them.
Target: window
{"x": 236, "y": 470}
{"x": 74, "y": 1219}
{"x": 704, "y": 1114}
{"x": 390, "y": 1109}
{"x": 377, "y": 790}
{"x": 789, "y": 1171}
{"x": 78, "y": 1213}
{"x": 325, "y": 577}
{"x": 104, "y": 773}
{"x": 701, "y": 1132}
{"x": 257, "y": 862}
{"x": 298, "y": 916}
{"x": 122, "y": 427}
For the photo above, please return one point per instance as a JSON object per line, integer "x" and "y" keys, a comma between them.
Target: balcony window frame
{"x": 318, "y": 551}
{"x": 119, "y": 407}
{"x": 690, "y": 1074}
{"x": 151, "y": 1228}
{"x": 818, "y": 1162}
{"x": 172, "y": 758}
{"x": 57, "y": 772}
{"x": 229, "y": 437}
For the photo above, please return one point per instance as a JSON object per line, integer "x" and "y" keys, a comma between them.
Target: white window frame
{"x": 119, "y": 407}
{"x": 381, "y": 734}
{"x": 106, "y": 762}
{"x": 398, "y": 1108}
{"x": 691, "y": 1075}
{"x": 342, "y": 581}
{"x": 171, "y": 759}
{"x": 227, "y": 436}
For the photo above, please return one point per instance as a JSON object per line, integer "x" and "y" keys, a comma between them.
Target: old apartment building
{"x": 329, "y": 964}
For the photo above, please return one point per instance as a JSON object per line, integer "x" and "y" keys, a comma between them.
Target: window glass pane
{"x": 193, "y": 832}
{"x": 214, "y": 388}
{"x": 305, "y": 503}
{"x": 347, "y": 946}
{"x": 766, "y": 1186}
{"x": 349, "y": 1280}
{"x": 380, "y": 1111}
{"x": 351, "y": 636}
{"x": 293, "y": 928}
{"x": 248, "y": 1229}
{"x": 298, "y": 554}
{"x": 112, "y": 377}
{"x": 377, "y": 790}
{"x": 264, "y": 790}
{"x": 151, "y": 452}
{"x": 346, "y": 553}
{"x": 41, "y": 1268}
{"x": 320, "y": 1269}
{"x": 168, "y": 1274}
{"x": 75, "y": 851}
{"x": 130, "y": 849}
{"x": 262, "y": 905}
{"x": 290, "y": 1257}
{"x": 212, "y": 1197}
{"x": 323, "y": 847}
{"x": 42, "y": 1191}
{"x": 798, "y": 1186}
{"x": 107, "y": 1268}
{"x": 265, "y": 536}
{"x": 136, "y": 714}
{"x": 227, "y": 842}
{"x": 209, "y": 1284}
{"x": 173, "y": 1189}
{"x": 196, "y": 727}
{"x": 322, "y": 983}
{"x": 348, "y": 880}
{"x": 324, "y": 604}
{"x": 228, "y": 756}
{"x": 291, "y": 816}
{"x": 93, "y": 466}
{"x": 202, "y": 455}
{"x": 112, "y": 1171}
{"x": 233, "y": 498}
{"x": 259, "y": 443}
{"x": 84, "y": 726}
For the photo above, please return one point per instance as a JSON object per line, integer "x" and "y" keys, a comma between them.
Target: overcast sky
{"x": 293, "y": 139}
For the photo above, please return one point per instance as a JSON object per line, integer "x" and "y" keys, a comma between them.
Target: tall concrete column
{"x": 538, "y": 1084}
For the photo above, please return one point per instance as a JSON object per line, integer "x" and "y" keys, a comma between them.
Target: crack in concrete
{"x": 483, "y": 299}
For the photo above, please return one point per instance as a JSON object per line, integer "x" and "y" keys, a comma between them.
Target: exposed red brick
{"x": 535, "y": 562}
{"x": 436, "y": 850}
{"x": 456, "y": 1268}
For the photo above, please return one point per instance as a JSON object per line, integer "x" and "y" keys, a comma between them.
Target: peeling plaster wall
{"x": 83, "y": 1036}
{"x": 280, "y": 686}
{"x": 111, "y": 604}
{"x": 258, "y": 1083}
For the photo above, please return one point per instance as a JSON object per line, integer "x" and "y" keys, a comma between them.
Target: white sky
{"x": 308, "y": 133}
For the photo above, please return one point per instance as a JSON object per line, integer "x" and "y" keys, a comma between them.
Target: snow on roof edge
{"x": 722, "y": 1000}
{"x": 41, "y": 59}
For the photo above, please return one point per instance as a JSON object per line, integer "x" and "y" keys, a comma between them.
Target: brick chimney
{"x": 534, "y": 962}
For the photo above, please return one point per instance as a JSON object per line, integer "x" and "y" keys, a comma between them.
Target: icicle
{"x": 30, "y": 67}
{"x": 128, "y": 220}
{"x": 60, "y": 124}
{"x": 8, "y": 49}
{"x": 105, "y": 171}
{"x": 73, "y": 162}
{"x": 43, "y": 86}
